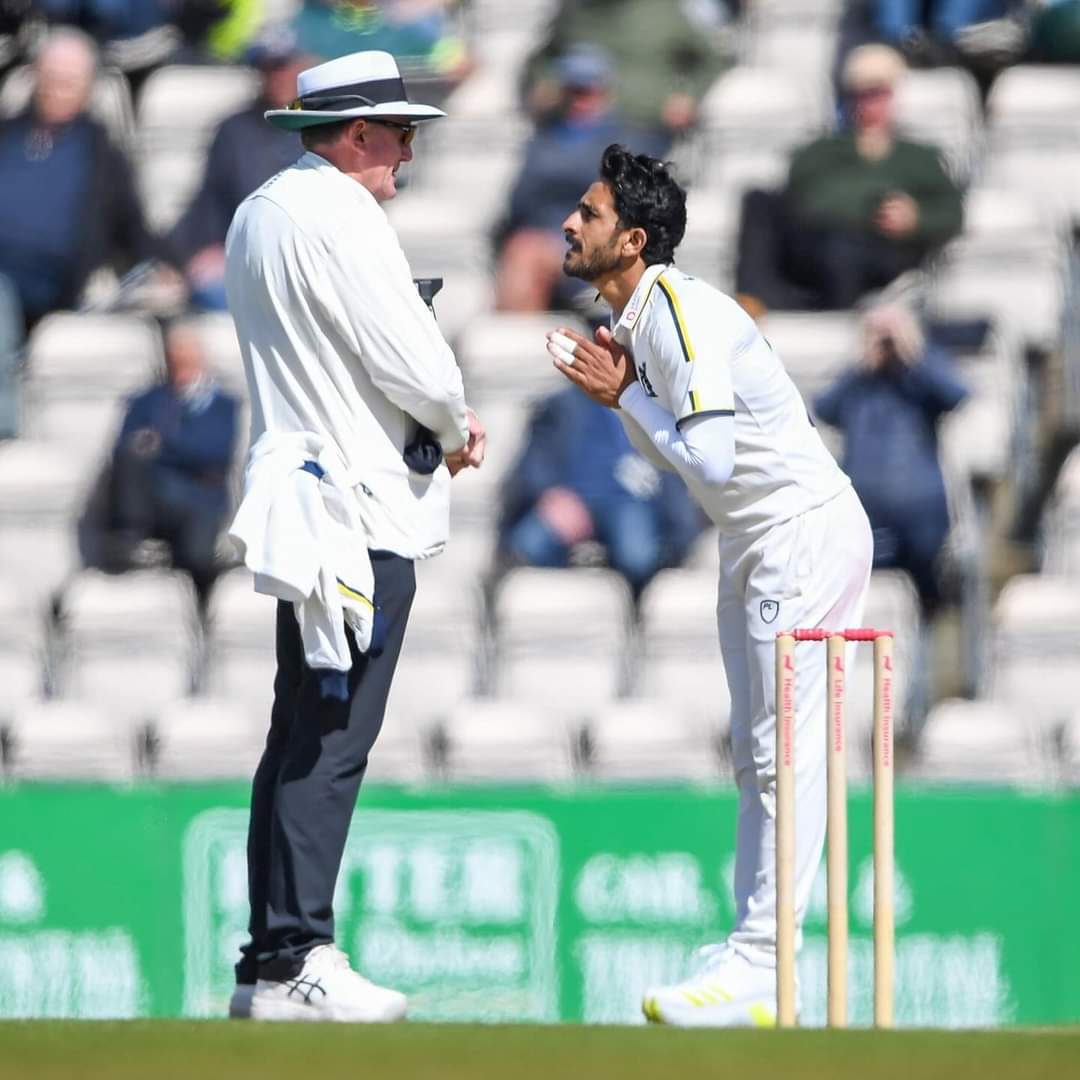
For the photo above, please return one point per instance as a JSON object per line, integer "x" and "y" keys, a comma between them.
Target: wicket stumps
{"x": 837, "y": 846}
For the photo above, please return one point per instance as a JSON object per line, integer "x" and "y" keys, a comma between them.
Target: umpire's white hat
{"x": 360, "y": 84}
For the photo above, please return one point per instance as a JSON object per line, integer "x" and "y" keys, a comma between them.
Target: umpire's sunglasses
{"x": 408, "y": 131}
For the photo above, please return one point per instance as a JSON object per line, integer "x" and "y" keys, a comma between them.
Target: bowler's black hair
{"x": 646, "y": 196}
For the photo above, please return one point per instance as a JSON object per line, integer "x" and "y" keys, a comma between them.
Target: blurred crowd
{"x": 862, "y": 211}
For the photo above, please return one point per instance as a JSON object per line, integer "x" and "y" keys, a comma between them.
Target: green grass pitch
{"x": 163, "y": 1050}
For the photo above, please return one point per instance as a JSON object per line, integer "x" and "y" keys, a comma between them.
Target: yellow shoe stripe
{"x": 651, "y": 1010}
{"x": 762, "y": 1016}
{"x": 694, "y": 999}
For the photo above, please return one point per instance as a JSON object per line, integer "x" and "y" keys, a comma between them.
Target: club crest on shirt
{"x": 769, "y": 610}
{"x": 629, "y": 317}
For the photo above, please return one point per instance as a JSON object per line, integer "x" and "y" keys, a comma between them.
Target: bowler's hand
{"x": 471, "y": 455}
{"x": 601, "y": 368}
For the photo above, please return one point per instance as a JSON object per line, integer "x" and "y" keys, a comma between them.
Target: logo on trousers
{"x": 769, "y": 610}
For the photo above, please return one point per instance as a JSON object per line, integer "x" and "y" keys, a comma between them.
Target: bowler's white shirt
{"x": 697, "y": 353}
{"x": 336, "y": 341}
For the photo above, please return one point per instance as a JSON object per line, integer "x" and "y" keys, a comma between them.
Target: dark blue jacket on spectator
{"x": 245, "y": 152}
{"x": 69, "y": 205}
{"x": 889, "y": 421}
{"x": 197, "y": 437}
{"x": 574, "y": 443}
{"x": 560, "y": 164}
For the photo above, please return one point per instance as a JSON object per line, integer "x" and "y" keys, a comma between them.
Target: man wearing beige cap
{"x": 861, "y": 206}
{"x": 358, "y": 422}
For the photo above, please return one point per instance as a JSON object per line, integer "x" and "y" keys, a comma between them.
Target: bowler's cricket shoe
{"x": 728, "y": 991}
{"x": 327, "y": 989}
{"x": 240, "y": 1002}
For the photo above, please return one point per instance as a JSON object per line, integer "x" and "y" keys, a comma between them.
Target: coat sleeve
{"x": 366, "y": 292}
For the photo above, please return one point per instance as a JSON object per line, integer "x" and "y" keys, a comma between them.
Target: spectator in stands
{"x": 861, "y": 207}
{"x": 1055, "y": 33}
{"x": 888, "y": 409}
{"x": 168, "y": 477}
{"x": 135, "y": 36}
{"x": 69, "y": 203}
{"x": 973, "y": 33}
{"x": 422, "y": 32}
{"x": 560, "y": 163}
{"x": 578, "y": 479}
{"x": 245, "y": 151}
{"x": 667, "y": 53}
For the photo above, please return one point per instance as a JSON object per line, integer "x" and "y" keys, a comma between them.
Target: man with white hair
{"x": 861, "y": 207}
{"x": 358, "y": 423}
{"x": 69, "y": 202}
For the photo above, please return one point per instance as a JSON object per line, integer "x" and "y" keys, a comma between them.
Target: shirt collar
{"x": 310, "y": 160}
{"x": 636, "y": 303}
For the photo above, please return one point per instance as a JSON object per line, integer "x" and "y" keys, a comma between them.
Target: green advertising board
{"x": 527, "y": 903}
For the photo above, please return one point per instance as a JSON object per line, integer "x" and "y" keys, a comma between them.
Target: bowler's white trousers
{"x": 810, "y": 571}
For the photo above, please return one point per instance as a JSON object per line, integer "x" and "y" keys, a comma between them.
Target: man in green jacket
{"x": 666, "y": 53}
{"x": 861, "y": 206}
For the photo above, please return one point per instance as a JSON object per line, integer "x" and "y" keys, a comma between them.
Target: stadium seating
{"x": 657, "y": 739}
{"x": 507, "y": 740}
{"x": 573, "y": 683}
{"x": 70, "y": 740}
{"x": 941, "y": 107}
{"x": 105, "y": 620}
{"x": 561, "y": 638}
{"x": 678, "y": 654}
{"x": 205, "y": 739}
{"x": 1036, "y": 646}
{"x": 981, "y": 741}
{"x": 179, "y": 108}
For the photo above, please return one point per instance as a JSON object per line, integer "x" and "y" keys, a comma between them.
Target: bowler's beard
{"x": 600, "y": 262}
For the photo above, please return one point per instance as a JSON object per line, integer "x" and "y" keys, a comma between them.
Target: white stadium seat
{"x": 760, "y": 106}
{"x": 37, "y": 556}
{"x": 205, "y": 739}
{"x": 21, "y": 623}
{"x": 41, "y": 482}
{"x": 679, "y": 655}
{"x": 657, "y": 739}
{"x": 60, "y": 740}
{"x": 1036, "y": 646}
{"x": 561, "y": 636}
{"x": 96, "y": 356}
{"x": 966, "y": 741}
{"x": 1029, "y": 103}
{"x": 1024, "y": 295}
{"x": 240, "y": 618}
{"x": 942, "y": 107}
{"x": 814, "y": 347}
{"x": 179, "y": 108}
{"x": 507, "y": 740}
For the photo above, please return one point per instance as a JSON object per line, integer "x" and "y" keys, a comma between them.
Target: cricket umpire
{"x": 345, "y": 365}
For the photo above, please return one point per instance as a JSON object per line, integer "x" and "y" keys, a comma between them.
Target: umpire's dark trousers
{"x": 305, "y": 787}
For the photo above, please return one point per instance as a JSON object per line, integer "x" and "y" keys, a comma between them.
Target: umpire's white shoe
{"x": 327, "y": 989}
{"x": 729, "y": 991}
{"x": 240, "y": 1002}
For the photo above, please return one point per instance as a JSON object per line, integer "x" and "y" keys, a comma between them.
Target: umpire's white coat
{"x": 337, "y": 342}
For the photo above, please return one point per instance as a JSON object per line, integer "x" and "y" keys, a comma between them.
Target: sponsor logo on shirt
{"x": 643, "y": 378}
